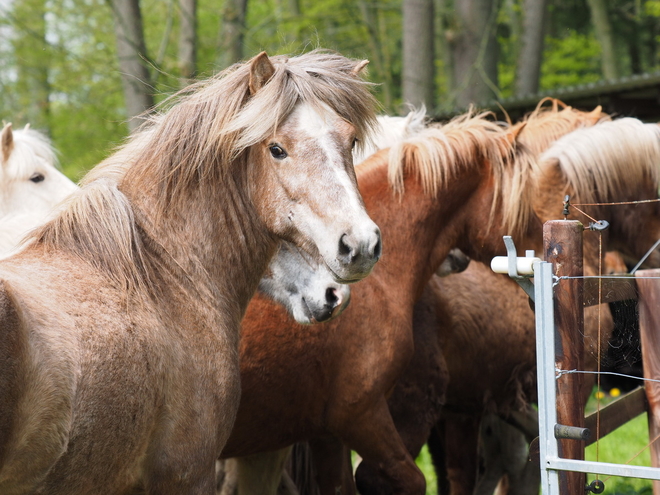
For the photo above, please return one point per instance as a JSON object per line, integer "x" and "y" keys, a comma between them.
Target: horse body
{"x": 335, "y": 381}
{"x": 122, "y": 313}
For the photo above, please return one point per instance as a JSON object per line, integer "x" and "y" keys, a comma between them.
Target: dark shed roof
{"x": 634, "y": 96}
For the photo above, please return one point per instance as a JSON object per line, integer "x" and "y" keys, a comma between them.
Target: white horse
{"x": 391, "y": 129}
{"x": 30, "y": 184}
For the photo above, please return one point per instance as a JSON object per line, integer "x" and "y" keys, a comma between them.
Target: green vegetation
{"x": 59, "y": 70}
{"x": 626, "y": 445}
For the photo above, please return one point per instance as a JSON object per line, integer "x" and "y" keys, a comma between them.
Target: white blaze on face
{"x": 317, "y": 179}
{"x": 321, "y": 127}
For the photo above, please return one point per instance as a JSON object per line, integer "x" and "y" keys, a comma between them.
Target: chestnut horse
{"x": 332, "y": 380}
{"x": 502, "y": 377}
{"x": 30, "y": 184}
{"x": 121, "y": 315}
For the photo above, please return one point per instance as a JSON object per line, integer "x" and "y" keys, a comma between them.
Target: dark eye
{"x": 37, "y": 177}
{"x": 355, "y": 141}
{"x": 277, "y": 152}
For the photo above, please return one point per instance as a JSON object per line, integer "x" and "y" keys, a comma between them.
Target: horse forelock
{"x": 468, "y": 142}
{"x": 210, "y": 125}
{"x": 612, "y": 161}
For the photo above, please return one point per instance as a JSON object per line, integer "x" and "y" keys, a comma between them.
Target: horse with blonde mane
{"x": 330, "y": 384}
{"x": 121, "y": 315}
{"x": 30, "y": 184}
{"x": 612, "y": 161}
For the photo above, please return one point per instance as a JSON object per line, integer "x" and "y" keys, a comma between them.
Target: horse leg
{"x": 332, "y": 466}
{"x": 261, "y": 473}
{"x": 226, "y": 473}
{"x": 437, "y": 449}
{"x": 461, "y": 437}
{"x": 375, "y": 438}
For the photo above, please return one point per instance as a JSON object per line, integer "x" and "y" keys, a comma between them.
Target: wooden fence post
{"x": 649, "y": 331}
{"x": 562, "y": 242}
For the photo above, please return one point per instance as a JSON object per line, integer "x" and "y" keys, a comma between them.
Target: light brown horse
{"x": 333, "y": 380}
{"x": 496, "y": 356}
{"x": 120, "y": 319}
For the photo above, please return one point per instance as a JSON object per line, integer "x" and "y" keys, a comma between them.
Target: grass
{"x": 622, "y": 446}
{"x": 625, "y": 445}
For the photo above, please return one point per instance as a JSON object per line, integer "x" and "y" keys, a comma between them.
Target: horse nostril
{"x": 344, "y": 248}
{"x": 378, "y": 248}
{"x": 331, "y": 297}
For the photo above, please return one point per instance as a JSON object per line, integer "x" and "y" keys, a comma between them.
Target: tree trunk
{"x": 603, "y": 29}
{"x": 474, "y": 52}
{"x": 33, "y": 64}
{"x": 376, "y": 45}
{"x": 418, "y": 53}
{"x": 233, "y": 28}
{"x": 132, "y": 54}
{"x": 188, "y": 40}
{"x": 528, "y": 71}
{"x": 443, "y": 51}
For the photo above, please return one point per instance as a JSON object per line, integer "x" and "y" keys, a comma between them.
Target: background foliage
{"x": 58, "y": 67}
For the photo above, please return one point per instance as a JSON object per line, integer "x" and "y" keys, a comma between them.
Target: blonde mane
{"x": 469, "y": 141}
{"x": 545, "y": 124}
{"x": 626, "y": 152}
{"x": 199, "y": 136}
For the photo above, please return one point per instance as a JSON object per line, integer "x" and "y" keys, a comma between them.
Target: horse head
{"x": 30, "y": 183}
{"x": 313, "y": 140}
{"x": 303, "y": 286}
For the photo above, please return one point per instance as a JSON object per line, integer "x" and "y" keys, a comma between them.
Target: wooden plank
{"x": 562, "y": 243}
{"x": 617, "y": 413}
{"x": 613, "y": 290}
{"x": 649, "y": 332}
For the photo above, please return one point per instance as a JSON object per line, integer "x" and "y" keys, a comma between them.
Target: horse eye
{"x": 277, "y": 152}
{"x": 355, "y": 141}
{"x": 37, "y": 177}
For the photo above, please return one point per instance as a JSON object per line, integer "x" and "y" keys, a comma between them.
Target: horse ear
{"x": 261, "y": 70}
{"x": 6, "y": 142}
{"x": 359, "y": 67}
{"x": 515, "y": 131}
{"x": 595, "y": 115}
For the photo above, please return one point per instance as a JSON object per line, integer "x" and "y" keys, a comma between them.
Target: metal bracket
{"x": 512, "y": 257}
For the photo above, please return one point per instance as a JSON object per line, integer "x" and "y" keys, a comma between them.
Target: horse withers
{"x": 120, "y": 317}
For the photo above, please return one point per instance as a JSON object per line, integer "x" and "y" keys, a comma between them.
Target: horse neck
{"x": 418, "y": 231}
{"x": 216, "y": 241}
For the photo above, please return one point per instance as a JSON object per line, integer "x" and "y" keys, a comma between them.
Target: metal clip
{"x": 596, "y": 486}
{"x": 599, "y": 226}
{"x": 567, "y": 203}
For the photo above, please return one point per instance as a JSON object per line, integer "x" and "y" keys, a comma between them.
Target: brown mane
{"x": 546, "y": 124}
{"x": 469, "y": 141}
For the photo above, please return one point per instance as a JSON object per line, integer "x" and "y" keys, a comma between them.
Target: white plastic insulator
{"x": 524, "y": 266}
